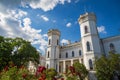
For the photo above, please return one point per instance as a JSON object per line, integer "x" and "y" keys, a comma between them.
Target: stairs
{"x": 92, "y": 76}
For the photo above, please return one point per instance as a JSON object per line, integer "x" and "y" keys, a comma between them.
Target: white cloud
{"x": 47, "y": 5}
{"x": 64, "y": 41}
{"x": 44, "y": 18}
{"x": 12, "y": 25}
{"x": 101, "y": 29}
{"x": 68, "y": 24}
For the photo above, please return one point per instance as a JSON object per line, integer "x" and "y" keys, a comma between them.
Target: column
{"x": 58, "y": 67}
{"x": 64, "y": 66}
{"x": 71, "y": 62}
{"x": 80, "y": 60}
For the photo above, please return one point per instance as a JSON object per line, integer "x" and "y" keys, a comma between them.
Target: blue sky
{"x": 31, "y": 19}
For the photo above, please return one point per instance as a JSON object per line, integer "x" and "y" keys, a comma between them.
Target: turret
{"x": 52, "y": 53}
{"x": 89, "y": 38}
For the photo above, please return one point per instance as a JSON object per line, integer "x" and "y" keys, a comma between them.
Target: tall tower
{"x": 89, "y": 38}
{"x": 52, "y": 53}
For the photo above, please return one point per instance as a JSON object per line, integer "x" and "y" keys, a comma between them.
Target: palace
{"x": 61, "y": 57}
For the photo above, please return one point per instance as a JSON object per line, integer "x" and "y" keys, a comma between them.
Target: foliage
{"x": 106, "y": 66}
{"x": 46, "y": 74}
{"x": 17, "y": 50}
{"x": 12, "y": 72}
{"x": 77, "y": 72}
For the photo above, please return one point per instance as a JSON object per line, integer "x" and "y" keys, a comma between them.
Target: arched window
{"x": 57, "y": 42}
{"x": 79, "y": 52}
{"x": 72, "y": 53}
{"x": 90, "y": 64}
{"x": 112, "y": 47}
{"x": 86, "y": 29}
{"x": 59, "y": 55}
{"x": 88, "y": 46}
{"x": 47, "y": 66}
{"x": 66, "y": 55}
{"x": 49, "y": 41}
{"x": 48, "y": 55}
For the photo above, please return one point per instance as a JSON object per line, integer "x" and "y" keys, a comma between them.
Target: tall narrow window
{"x": 60, "y": 68}
{"x": 86, "y": 29}
{"x": 88, "y": 46}
{"x": 112, "y": 47}
{"x": 90, "y": 64}
{"x": 66, "y": 55}
{"x": 79, "y": 52}
{"x": 48, "y": 55}
{"x": 47, "y": 66}
{"x": 72, "y": 53}
{"x": 59, "y": 55}
{"x": 49, "y": 42}
{"x": 57, "y": 42}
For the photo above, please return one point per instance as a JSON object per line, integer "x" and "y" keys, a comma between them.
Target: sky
{"x": 31, "y": 19}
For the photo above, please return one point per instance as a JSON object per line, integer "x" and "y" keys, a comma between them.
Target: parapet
{"x": 53, "y": 32}
{"x": 87, "y": 16}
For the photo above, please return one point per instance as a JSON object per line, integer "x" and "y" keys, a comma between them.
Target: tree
{"x": 106, "y": 66}
{"x": 81, "y": 70}
{"x": 5, "y": 51}
{"x": 17, "y": 50}
{"x": 24, "y": 52}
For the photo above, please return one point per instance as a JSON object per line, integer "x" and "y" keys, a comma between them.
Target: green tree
{"x": 5, "y": 51}
{"x": 106, "y": 66}
{"x": 24, "y": 52}
{"x": 17, "y": 50}
{"x": 81, "y": 70}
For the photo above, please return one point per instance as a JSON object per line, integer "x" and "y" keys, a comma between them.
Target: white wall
{"x": 115, "y": 40}
{"x": 69, "y": 50}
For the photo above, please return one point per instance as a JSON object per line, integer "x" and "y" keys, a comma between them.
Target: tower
{"x": 89, "y": 39}
{"x": 52, "y": 53}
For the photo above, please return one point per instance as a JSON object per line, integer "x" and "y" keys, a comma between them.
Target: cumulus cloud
{"x": 44, "y": 18}
{"x": 14, "y": 24}
{"x": 47, "y": 5}
{"x": 101, "y": 29}
{"x": 68, "y": 24}
{"x": 64, "y": 41}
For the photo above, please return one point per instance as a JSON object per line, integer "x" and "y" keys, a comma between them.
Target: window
{"x": 49, "y": 42}
{"x": 56, "y": 67}
{"x": 66, "y": 55}
{"x": 57, "y": 42}
{"x": 72, "y": 53}
{"x": 86, "y": 29}
{"x": 112, "y": 47}
{"x": 79, "y": 52}
{"x": 60, "y": 68}
{"x": 48, "y": 55}
{"x": 47, "y": 66}
{"x": 59, "y": 55}
{"x": 88, "y": 46}
{"x": 90, "y": 64}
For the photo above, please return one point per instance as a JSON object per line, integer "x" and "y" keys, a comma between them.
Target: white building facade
{"x": 84, "y": 51}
